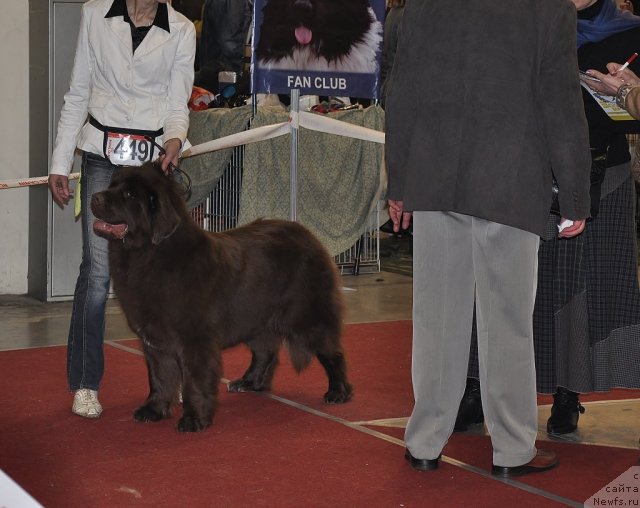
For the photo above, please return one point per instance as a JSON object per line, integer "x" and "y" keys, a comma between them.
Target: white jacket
{"x": 148, "y": 89}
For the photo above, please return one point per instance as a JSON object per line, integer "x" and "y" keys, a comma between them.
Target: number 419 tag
{"x": 128, "y": 149}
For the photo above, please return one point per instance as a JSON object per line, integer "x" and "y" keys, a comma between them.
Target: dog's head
{"x": 328, "y": 27}
{"x": 142, "y": 206}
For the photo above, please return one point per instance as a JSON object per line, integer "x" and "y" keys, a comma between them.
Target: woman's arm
{"x": 74, "y": 110}
{"x": 180, "y": 85}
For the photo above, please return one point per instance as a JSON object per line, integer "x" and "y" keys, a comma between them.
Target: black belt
{"x": 122, "y": 130}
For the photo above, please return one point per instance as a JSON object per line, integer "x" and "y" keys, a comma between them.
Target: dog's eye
{"x": 129, "y": 194}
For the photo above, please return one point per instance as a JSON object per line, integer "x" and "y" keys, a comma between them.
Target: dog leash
{"x": 173, "y": 168}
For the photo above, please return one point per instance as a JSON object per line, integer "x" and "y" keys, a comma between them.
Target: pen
{"x": 626, "y": 64}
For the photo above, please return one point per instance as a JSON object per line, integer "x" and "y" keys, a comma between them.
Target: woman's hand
{"x": 172, "y": 154}
{"x": 609, "y": 83}
{"x": 59, "y": 186}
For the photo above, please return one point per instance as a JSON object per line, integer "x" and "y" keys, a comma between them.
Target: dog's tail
{"x": 300, "y": 355}
{"x": 320, "y": 339}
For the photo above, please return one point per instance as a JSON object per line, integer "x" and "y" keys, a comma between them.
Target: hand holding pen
{"x": 608, "y": 84}
{"x": 626, "y": 64}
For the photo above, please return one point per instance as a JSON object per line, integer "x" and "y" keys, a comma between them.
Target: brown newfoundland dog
{"x": 188, "y": 294}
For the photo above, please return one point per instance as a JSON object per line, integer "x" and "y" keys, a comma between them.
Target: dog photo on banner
{"x": 323, "y": 47}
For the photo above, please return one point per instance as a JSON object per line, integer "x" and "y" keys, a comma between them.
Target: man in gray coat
{"x": 484, "y": 110}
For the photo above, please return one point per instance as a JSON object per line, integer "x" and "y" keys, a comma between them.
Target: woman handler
{"x": 132, "y": 77}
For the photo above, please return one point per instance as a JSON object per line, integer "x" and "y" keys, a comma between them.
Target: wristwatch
{"x": 621, "y": 95}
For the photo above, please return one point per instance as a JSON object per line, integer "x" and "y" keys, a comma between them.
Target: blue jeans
{"x": 85, "y": 357}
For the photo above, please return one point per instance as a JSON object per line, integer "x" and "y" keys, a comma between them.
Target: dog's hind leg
{"x": 259, "y": 375}
{"x": 323, "y": 341}
{"x": 164, "y": 379}
{"x": 340, "y": 390}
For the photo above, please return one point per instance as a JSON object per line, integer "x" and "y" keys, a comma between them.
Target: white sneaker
{"x": 86, "y": 403}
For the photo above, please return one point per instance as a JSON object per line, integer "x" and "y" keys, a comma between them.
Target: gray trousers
{"x": 459, "y": 259}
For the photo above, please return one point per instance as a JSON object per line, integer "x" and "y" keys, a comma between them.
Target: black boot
{"x": 565, "y": 412}
{"x": 470, "y": 410}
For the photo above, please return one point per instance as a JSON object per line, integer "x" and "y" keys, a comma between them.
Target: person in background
{"x": 132, "y": 74}
{"x": 625, "y": 5}
{"x": 587, "y": 312}
{"x": 225, "y": 29}
{"x": 474, "y": 135}
{"x": 587, "y": 319}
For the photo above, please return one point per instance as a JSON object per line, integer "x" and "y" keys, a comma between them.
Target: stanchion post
{"x": 294, "y": 107}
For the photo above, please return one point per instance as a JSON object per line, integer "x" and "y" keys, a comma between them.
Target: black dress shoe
{"x": 421, "y": 464}
{"x": 565, "y": 412}
{"x": 543, "y": 461}
{"x": 470, "y": 410}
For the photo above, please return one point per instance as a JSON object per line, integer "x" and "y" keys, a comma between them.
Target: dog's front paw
{"x": 339, "y": 395}
{"x": 192, "y": 424}
{"x": 241, "y": 385}
{"x": 148, "y": 414}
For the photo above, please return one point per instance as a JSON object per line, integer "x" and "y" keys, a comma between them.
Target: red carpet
{"x": 259, "y": 452}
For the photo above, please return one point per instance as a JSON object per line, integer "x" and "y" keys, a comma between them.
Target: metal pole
{"x": 293, "y": 179}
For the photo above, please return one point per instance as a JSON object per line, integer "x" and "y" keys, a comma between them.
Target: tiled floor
{"x": 26, "y": 322}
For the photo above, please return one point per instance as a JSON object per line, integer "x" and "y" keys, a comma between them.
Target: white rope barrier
{"x": 240, "y": 138}
{"x": 304, "y": 119}
{"x": 311, "y": 121}
{"x": 27, "y": 182}
{"x": 328, "y": 125}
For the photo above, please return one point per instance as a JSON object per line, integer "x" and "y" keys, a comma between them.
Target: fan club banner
{"x": 321, "y": 47}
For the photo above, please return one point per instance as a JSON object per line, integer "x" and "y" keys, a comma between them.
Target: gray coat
{"x": 485, "y": 103}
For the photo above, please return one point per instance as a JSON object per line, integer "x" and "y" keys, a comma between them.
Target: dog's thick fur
{"x": 188, "y": 294}
{"x": 319, "y": 35}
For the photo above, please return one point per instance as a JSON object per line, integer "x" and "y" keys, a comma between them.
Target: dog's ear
{"x": 165, "y": 218}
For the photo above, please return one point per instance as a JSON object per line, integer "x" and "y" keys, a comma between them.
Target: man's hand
{"x": 574, "y": 230}
{"x": 398, "y": 215}
{"x": 59, "y": 185}
{"x": 171, "y": 155}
